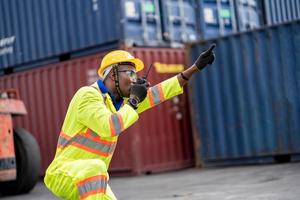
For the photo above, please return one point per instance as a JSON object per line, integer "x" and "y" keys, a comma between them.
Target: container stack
{"x": 157, "y": 142}
{"x": 49, "y": 49}
{"x": 246, "y": 107}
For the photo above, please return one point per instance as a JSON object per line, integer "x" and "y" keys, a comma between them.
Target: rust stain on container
{"x": 161, "y": 139}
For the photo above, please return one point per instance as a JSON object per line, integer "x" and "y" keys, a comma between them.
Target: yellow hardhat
{"x": 119, "y": 56}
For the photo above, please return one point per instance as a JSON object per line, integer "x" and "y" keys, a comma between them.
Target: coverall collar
{"x": 104, "y": 90}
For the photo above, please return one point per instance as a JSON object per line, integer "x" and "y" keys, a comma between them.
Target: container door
{"x": 179, "y": 20}
{"x": 248, "y": 16}
{"x": 141, "y": 22}
{"x": 217, "y": 18}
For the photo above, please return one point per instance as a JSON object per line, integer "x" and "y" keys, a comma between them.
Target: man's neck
{"x": 112, "y": 90}
{"x": 115, "y": 94}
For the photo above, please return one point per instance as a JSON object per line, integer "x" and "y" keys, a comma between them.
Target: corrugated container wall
{"x": 281, "y": 11}
{"x": 246, "y": 105}
{"x": 161, "y": 140}
{"x": 36, "y": 31}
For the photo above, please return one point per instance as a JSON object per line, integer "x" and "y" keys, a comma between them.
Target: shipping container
{"x": 161, "y": 139}
{"x": 246, "y": 105}
{"x": 179, "y": 23}
{"x": 35, "y": 30}
{"x": 281, "y": 11}
{"x": 222, "y": 17}
{"x": 249, "y": 14}
{"x": 216, "y": 18}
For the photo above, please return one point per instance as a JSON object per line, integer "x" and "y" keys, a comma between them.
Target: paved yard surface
{"x": 266, "y": 182}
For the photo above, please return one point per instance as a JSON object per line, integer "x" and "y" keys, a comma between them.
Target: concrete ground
{"x": 266, "y": 182}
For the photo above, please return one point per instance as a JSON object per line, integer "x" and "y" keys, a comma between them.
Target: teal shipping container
{"x": 246, "y": 106}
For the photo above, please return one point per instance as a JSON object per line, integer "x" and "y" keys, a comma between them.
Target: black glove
{"x": 205, "y": 58}
{"x": 138, "y": 93}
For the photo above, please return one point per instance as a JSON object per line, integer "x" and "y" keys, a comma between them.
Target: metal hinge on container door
{"x": 221, "y": 17}
{"x": 150, "y": 12}
{"x": 172, "y": 18}
{"x": 170, "y": 21}
{"x": 184, "y": 34}
{"x": 233, "y": 16}
{"x": 158, "y": 21}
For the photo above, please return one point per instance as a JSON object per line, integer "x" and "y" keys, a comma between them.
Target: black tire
{"x": 28, "y": 160}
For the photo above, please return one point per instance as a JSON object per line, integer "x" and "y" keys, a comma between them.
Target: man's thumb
{"x": 210, "y": 49}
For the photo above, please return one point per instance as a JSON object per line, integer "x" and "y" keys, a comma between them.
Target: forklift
{"x": 20, "y": 159}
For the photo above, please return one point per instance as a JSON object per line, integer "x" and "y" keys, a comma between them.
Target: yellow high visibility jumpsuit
{"x": 89, "y": 136}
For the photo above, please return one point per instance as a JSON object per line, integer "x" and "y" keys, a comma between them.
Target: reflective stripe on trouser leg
{"x": 90, "y": 186}
{"x": 63, "y": 181}
{"x": 109, "y": 195}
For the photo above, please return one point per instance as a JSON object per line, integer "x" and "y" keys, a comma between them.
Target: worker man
{"x": 98, "y": 114}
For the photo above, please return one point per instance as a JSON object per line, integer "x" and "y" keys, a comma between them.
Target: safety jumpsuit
{"x": 89, "y": 136}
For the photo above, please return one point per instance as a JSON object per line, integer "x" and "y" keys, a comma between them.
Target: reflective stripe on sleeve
{"x": 94, "y": 136}
{"x": 116, "y": 124}
{"x": 92, "y": 185}
{"x": 156, "y": 95}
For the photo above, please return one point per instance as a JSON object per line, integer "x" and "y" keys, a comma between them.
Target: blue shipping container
{"x": 179, "y": 22}
{"x": 247, "y": 104}
{"x": 34, "y": 30}
{"x": 221, "y": 17}
{"x": 281, "y": 11}
{"x": 249, "y": 14}
{"x": 216, "y": 18}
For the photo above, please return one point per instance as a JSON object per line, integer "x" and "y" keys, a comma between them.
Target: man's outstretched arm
{"x": 205, "y": 58}
{"x": 173, "y": 86}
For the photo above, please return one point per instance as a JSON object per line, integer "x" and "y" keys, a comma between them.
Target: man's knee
{"x": 78, "y": 179}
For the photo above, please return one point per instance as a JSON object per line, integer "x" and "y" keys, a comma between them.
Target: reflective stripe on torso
{"x": 88, "y": 141}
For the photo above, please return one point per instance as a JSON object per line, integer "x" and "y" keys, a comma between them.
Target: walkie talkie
{"x": 143, "y": 79}
{"x": 146, "y": 76}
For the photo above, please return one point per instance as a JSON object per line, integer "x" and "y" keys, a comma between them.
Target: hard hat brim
{"x": 139, "y": 65}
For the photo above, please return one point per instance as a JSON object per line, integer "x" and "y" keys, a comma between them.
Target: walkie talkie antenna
{"x": 145, "y": 77}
